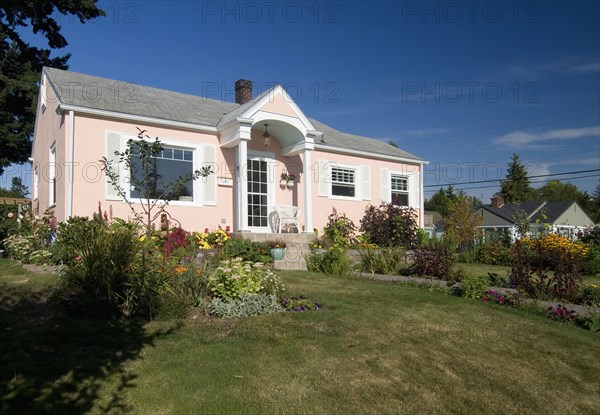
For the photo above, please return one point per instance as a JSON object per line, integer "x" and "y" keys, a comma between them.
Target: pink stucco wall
{"x": 89, "y": 183}
{"x": 50, "y": 128}
{"x": 89, "y": 188}
{"x": 354, "y": 209}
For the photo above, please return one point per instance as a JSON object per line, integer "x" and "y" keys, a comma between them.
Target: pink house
{"x": 249, "y": 144}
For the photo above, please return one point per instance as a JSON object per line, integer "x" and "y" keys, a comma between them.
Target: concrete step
{"x": 290, "y": 265}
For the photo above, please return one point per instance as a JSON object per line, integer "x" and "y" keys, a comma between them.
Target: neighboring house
{"x": 81, "y": 118}
{"x": 433, "y": 224}
{"x": 565, "y": 217}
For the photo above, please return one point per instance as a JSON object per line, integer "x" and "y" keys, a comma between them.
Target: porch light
{"x": 267, "y": 136}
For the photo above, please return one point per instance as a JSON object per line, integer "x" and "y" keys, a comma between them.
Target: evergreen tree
{"x": 594, "y": 205}
{"x": 516, "y": 187}
{"x": 21, "y": 65}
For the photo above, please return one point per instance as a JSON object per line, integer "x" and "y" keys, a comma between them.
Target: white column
{"x": 242, "y": 186}
{"x": 308, "y": 226}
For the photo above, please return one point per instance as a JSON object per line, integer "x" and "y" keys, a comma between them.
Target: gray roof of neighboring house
{"x": 549, "y": 212}
{"x": 105, "y": 94}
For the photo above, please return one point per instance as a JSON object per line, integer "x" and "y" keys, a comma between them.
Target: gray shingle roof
{"x": 548, "y": 213}
{"x": 100, "y": 93}
{"x": 105, "y": 94}
{"x": 338, "y": 139}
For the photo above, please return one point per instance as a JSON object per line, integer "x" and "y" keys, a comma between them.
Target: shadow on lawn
{"x": 51, "y": 363}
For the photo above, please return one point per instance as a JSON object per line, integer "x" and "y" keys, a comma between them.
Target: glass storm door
{"x": 258, "y": 193}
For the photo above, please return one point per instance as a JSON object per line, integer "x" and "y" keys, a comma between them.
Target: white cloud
{"x": 428, "y": 131}
{"x": 586, "y": 68}
{"x": 524, "y": 140}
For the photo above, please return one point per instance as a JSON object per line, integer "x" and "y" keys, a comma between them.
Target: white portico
{"x": 291, "y": 138}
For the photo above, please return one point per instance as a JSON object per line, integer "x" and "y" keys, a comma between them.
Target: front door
{"x": 258, "y": 194}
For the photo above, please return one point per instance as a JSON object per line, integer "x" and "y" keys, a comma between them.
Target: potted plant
{"x": 290, "y": 181}
{"x": 277, "y": 250}
{"x": 284, "y": 179}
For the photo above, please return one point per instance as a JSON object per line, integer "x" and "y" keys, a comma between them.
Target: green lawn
{"x": 375, "y": 348}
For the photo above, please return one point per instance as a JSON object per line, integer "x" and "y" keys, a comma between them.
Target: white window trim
{"x": 357, "y": 180}
{"x": 36, "y": 182}
{"x": 407, "y": 192}
{"x": 269, "y": 158}
{"x": 166, "y": 142}
{"x": 52, "y": 175}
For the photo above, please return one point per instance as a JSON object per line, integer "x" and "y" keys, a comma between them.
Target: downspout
{"x": 69, "y": 207}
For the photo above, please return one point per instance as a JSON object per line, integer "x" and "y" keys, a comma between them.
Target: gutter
{"x": 138, "y": 118}
{"x": 331, "y": 149}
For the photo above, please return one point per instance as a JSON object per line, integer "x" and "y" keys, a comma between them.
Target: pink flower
{"x": 10, "y": 214}
{"x": 484, "y": 299}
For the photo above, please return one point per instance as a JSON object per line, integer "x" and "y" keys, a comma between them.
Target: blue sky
{"x": 460, "y": 84}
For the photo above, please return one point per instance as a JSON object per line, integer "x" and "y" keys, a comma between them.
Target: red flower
{"x": 205, "y": 230}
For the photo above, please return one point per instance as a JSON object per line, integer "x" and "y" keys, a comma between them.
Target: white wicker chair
{"x": 287, "y": 218}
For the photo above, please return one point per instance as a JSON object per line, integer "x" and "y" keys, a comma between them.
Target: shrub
{"x": 300, "y": 303}
{"x": 434, "y": 259}
{"x": 334, "y": 261}
{"x": 99, "y": 279}
{"x": 497, "y": 280}
{"x": 561, "y": 313}
{"x": 389, "y": 225}
{"x": 533, "y": 261}
{"x": 591, "y": 236}
{"x": 177, "y": 239}
{"x": 494, "y": 253}
{"x": 592, "y": 260}
{"x": 474, "y": 286}
{"x": 235, "y": 278}
{"x": 340, "y": 230}
{"x": 212, "y": 239}
{"x": 590, "y": 295}
{"x": 390, "y": 261}
{"x": 189, "y": 283}
{"x": 68, "y": 234}
{"x": 23, "y": 248}
{"x": 495, "y": 297}
{"x": 245, "y": 249}
{"x": 591, "y": 321}
{"x": 246, "y": 305}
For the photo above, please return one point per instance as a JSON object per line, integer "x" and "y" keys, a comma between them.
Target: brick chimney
{"x": 243, "y": 91}
{"x": 497, "y": 201}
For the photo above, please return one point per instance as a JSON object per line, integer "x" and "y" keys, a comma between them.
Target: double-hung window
{"x": 162, "y": 176}
{"x": 343, "y": 182}
{"x": 399, "y": 189}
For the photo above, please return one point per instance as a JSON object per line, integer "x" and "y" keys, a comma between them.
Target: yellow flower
{"x": 180, "y": 270}
{"x": 593, "y": 286}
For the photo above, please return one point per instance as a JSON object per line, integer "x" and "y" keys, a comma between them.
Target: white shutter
{"x": 414, "y": 188}
{"x": 324, "y": 177}
{"x": 209, "y": 183}
{"x": 365, "y": 177}
{"x": 385, "y": 186}
{"x": 113, "y": 143}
